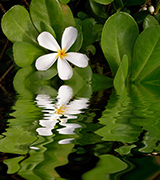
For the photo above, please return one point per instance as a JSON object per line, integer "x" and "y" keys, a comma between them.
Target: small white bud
{"x": 144, "y": 8}
{"x": 151, "y": 9}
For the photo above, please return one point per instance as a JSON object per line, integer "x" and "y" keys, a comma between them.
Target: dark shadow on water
{"x": 78, "y": 165}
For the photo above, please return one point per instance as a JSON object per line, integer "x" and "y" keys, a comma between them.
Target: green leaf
{"x": 88, "y": 27}
{"x": 105, "y": 2}
{"x": 85, "y": 74}
{"x": 48, "y": 28}
{"x": 91, "y": 49}
{"x": 25, "y": 54}
{"x": 68, "y": 16}
{"x": 19, "y": 81}
{"x": 121, "y": 75}
{"x": 153, "y": 78}
{"x": 48, "y": 12}
{"x": 43, "y": 75}
{"x": 118, "y": 37}
{"x": 82, "y": 15}
{"x": 140, "y": 16}
{"x": 118, "y": 4}
{"x": 81, "y": 77}
{"x": 100, "y": 82}
{"x": 98, "y": 9}
{"x": 17, "y": 26}
{"x": 79, "y": 41}
{"x": 146, "y": 55}
{"x": 98, "y": 30}
{"x": 150, "y": 21}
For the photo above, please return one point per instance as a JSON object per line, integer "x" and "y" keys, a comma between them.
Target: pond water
{"x": 82, "y": 135}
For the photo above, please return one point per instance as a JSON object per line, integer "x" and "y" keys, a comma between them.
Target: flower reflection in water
{"x": 60, "y": 111}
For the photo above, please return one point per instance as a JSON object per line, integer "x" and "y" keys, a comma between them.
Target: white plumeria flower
{"x": 46, "y": 40}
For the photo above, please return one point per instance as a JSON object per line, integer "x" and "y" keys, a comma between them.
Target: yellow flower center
{"x": 61, "y": 110}
{"x": 61, "y": 53}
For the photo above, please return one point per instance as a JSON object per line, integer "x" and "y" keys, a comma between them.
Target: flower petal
{"x": 78, "y": 59}
{"x": 46, "y": 61}
{"x": 68, "y": 38}
{"x": 64, "y": 95}
{"x": 46, "y": 40}
{"x": 64, "y": 69}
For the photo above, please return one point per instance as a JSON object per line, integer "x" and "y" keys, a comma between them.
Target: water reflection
{"x": 38, "y": 150}
{"x": 130, "y": 115}
{"x": 53, "y": 135}
{"x": 60, "y": 110}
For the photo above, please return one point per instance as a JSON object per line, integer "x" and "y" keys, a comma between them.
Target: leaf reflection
{"x": 131, "y": 116}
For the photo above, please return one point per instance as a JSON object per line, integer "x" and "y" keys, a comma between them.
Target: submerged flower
{"x": 46, "y": 40}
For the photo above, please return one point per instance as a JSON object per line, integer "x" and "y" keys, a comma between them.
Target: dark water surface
{"x": 58, "y": 134}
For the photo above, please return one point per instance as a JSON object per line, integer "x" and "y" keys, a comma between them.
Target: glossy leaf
{"x": 48, "y": 28}
{"x": 146, "y": 55}
{"x": 98, "y": 30}
{"x": 105, "y": 2}
{"x": 121, "y": 75}
{"x": 98, "y": 9}
{"x": 68, "y": 16}
{"x": 150, "y": 21}
{"x": 19, "y": 82}
{"x": 118, "y": 4}
{"x": 43, "y": 75}
{"x": 88, "y": 27}
{"x": 118, "y": 37}
{"x": 17, "y": 26}
{"x": 91, "y": 49}
{"x": 81, "y": 77}
{"x": 81, "y": 15}
{"x": 100, "y": 82}
{"x": 79, "y": 41}
{"x": 48, "y": 12}
{"x": 84, "y": 73}
{"x": 140, "y": 16}
{"x": 26, "y": 54}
